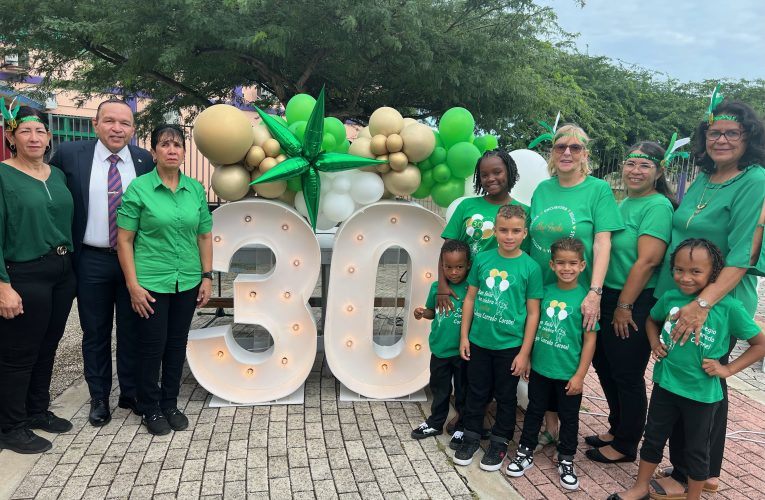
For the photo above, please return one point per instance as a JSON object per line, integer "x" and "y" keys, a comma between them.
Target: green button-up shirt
{"x": 166, "y": 224}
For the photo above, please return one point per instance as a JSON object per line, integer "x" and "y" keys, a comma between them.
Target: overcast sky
{"x": 686, "y": 39}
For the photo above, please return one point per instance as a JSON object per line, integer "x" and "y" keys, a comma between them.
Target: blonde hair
{"x": 576, "y": 131}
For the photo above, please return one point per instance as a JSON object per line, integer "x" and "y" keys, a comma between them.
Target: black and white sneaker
{"x": 523, "y": 461}
{"x": 492, "y": 459}
{"x": 425, "y": 431}
{"x": 464, "y": 454}
{"x": 568, "y": 477}
{"x": 456, "y": 441}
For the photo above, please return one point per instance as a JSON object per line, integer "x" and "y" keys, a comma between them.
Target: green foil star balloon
{"x": 307, "y": 159}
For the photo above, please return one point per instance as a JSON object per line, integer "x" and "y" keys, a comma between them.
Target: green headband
{"x": 715, "y": 99}
{"x": 647, "y": 157}
{"x": 547, "y": 136}
{"x": 670, "y": 155}
{"x": 9, "y": 115}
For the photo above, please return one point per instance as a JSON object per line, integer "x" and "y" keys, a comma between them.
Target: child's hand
{"x": 713, "y": 367}
{"x": 575, "y": 385}
{"x": 418, "y": 312}
{"x": 465, "y": 349}
{"x": 659, "y": 351}
{"x": 521, "y": 366}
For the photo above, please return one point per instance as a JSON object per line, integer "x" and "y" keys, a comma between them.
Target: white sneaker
{"x": 568, "y": 477}
{"x": 520, "y": 463}
{"x": 424, "y": 431}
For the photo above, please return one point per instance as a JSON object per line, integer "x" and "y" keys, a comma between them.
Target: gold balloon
{"x": 394, "y": 143}
{"x": 267, "y": 164}
{"x": 271, "y": 147}
{"x": 402, "y": 183}
{"x": 419, "y": 142}
{"x": 383, "y": 168}
{"x": 281, "y": 158}
{"x": 231, "y": 182}
{"x": 408, "y": 121}
{"x": 288, "y": 197}
{"x": 378, "y": 145}
{"x": 361, "y": 147}
{"x": 385, "y": 121}
{"x": 223, "y": 134}
{"x": 254, "y": 156}
{"x": 260, "y": 134}
{"x": 398, "y": 161}
{"x": 268, "y": 189}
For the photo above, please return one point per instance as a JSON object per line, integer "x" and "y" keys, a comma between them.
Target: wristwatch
{"x": 624, "y": 305}
{"x": 207, "y": 275}
{"x": 703, "y": 303}
{"x": 598, "y": 290}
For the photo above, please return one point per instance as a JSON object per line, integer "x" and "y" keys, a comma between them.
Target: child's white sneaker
{"x": 520, "y": 463}
{"x": 567, "y": 473}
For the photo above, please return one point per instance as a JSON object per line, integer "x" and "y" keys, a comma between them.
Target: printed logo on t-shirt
{"x": 492, "y": 297}
{"x": 666, "y": 331}
{"x": 455, "y": 316}
{"x": 478, "y": 229}
{"x": 556, "y": 222}
{"x": 550, "y": 331}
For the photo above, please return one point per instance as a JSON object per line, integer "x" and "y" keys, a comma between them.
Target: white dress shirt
{"x": 97, "y": 227}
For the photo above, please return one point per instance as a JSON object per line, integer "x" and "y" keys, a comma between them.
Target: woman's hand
{"x": 622, "y": 322}
{"x": 205, "y": 292}
{"x": 141, "y": 301}
{"x": 10, "y": 302}
{"x": 590, "y": 311}
{"x": 444, "y": 303}
{"x": 690, "y": 319}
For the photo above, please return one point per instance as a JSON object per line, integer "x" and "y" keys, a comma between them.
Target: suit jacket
{"x": 75, "y": 159}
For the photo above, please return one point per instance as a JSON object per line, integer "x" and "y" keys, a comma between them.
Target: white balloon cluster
{"x": 342, "y": 193}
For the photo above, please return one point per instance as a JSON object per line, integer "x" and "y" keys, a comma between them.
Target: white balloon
{"x": 300, "y": 205}
{"x": 336, "y": 207}
{"x": 453, "y": 206}
{"x": 550, "y": 310}
{"x": 490, "y": 282}
{"x": 503, "y": 285}
{"x": 563, "y": 314}
{"x": 342, "y": 183}
{"x": 366, "y": 188}
{"x": 323, "y": 224}
{"x": 532, "y": 169}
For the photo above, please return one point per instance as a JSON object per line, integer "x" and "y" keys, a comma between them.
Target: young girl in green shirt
{"x": 687, "y": 375}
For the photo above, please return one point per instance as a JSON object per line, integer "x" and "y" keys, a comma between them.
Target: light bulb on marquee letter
{"x": 281, "y": 305}
{"x": 369, "y": 369}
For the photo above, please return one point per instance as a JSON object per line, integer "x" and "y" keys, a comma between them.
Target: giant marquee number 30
{"x": 278, "y": 301}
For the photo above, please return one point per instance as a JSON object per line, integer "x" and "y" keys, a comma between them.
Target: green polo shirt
{"x": 166, "y": 225}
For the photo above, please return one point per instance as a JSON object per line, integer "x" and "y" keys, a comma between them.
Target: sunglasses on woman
{"x": 575, "y": 148}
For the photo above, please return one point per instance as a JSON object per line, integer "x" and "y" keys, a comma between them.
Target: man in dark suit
{"x": 97, "y": 173}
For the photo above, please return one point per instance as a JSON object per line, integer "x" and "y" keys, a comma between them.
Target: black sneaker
{"x": 424, "y": 431}
{"x": 156, "y": 423}
{"x": 176, "y": 419}
{"x": 24, "y": 441}
{"x": 520, "y": 463}
{"x": 456, "y": 441}
{"x": 49, "y": 422}
{"x": 464, "y": 454}
{"x": 492, "y": 459}
{"x": 568, "y": 477}
{"x": 129, "y": 403}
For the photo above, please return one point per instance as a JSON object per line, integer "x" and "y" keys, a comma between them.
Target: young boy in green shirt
{"x": 561, "y": 356}
{"x": 445, "y": 361}
{"x": 499, "y": 318}
{"x": 687, "y": 376}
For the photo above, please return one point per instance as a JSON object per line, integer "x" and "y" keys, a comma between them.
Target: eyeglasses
{"x": 643, "y": 166}
{"x": 733, "y": 135}
{"x": 561, "y": 148}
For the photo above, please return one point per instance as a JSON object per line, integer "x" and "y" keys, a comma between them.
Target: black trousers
{"x": 487, "y": 369}
{"x": 101, "y": 291}
{"x": 162, "y": 342}
{"x": 442, "y": 371}
{"x": 543, "y": 391}
{"x": 621, "y": 364}
{"x": 29, "y": 341}
{"x": 666, "y": 410}
{"x": 678, "y": 440}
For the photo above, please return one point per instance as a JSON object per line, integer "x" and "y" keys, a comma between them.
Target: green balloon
{"x": 456, "y": 125}
{"x": 298, "y": 128}
{"x": 480, "y": 143}
{"x": 421, "y": 192}
{"x": 425, "y": 165}
{"x": 294, "y": 184}
{"x": 328, "y": 144}
{"x": 439, "y": 141}
{"x": 343, "y": 147}
{"x": 426, "y": 179}
{"x": 335, "y": 127}
{"x": 299, "y": 108}
{"x": 492, "y": 142}
{"x": 446, "y": 192}
{"x": 441, "y": 172}
{"x": 462, "y": 159}
{"x": 438, "y": 155}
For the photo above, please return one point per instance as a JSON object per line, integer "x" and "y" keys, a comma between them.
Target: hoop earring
{"x": 47, "y": 148}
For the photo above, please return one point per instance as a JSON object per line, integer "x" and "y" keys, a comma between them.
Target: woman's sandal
{"x": 659, "y": 493}
{"x": 661, "y": 473}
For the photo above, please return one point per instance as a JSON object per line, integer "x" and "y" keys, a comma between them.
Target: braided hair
{"x": 456, "y": 246}
{"x": 510, "y": 167}
{"x": 713, "y": 250}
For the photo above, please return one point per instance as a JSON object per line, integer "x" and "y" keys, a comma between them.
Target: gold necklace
{"x": 701, "y": 205}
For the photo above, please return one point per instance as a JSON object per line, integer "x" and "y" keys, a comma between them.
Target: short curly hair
{"x": 753, "y": 128}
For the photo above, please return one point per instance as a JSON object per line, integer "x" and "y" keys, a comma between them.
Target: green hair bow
{"x": 715, "y": 99}
{"x": 672, "y": 150}
{"x": 9, "y": 115}
{"x": 547, "y": 136}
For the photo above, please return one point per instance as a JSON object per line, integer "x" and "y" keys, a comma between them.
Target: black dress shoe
{"x": 595, "y": 441}
{"x": 47, "y": 421}
{"x": 129, "y": 403}
{"x": 99, "y": 412}
{"x": 175, "y": 418}
{"x": 23, "y": 441}
{"x": 595, "y": 455}
{"x": 156, "y": 423}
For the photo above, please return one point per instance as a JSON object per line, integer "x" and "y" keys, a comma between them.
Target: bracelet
{"x": 624, "y": 305}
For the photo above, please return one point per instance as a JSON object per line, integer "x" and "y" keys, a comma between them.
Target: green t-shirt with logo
{"x": 444, "y": 337}
{"x": 680, "y": 372}
{"x": 504, "y": 284}
{"x": 473, "y": 223}
{"x": 648, "y": 215}
{"x": 558, "y": 343}
{"x": 578, "y": 211}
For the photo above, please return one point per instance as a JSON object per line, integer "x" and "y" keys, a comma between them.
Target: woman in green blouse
{"x": 165, "y": 250}
{"x": 37, "y": 283}
{"x": 724, "y": 205}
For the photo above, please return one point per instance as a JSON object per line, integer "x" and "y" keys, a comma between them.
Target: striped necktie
{"x": 115, "y": 197}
